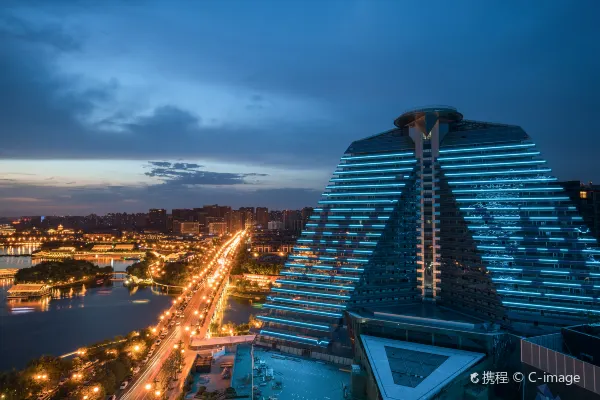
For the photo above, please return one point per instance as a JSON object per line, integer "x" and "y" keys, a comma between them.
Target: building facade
{"x": 262, "y": 217}
{"x": 443, "y": 211}
{"x": 587, "y": 200}
{"x": 185, "y": 227}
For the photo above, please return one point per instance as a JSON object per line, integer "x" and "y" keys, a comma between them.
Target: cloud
{"x": 190, "y": 174}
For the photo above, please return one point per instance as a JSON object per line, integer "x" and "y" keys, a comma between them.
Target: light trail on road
{"x": 221, "y": 265}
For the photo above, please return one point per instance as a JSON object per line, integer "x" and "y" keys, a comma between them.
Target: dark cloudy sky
{"x": 125, "y": 105}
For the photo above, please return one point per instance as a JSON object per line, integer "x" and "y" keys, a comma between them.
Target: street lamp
{"x": 96, "y": 389}
{"x": 148, "y": 386}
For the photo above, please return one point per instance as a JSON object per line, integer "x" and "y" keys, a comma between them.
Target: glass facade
{"x": 459, "y": 213}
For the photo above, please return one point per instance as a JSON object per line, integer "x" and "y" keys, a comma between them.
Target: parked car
{"x": 136, "y": 370}
{"x": 158, "y": 342}
{"x": 123, "y": 385}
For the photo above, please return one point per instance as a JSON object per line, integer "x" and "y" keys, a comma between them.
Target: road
{"x": 142, "y": 387}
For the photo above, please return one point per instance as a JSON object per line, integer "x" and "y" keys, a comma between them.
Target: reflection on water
{"x": 70, "y": 317}
{"x": 238, "y": 310}
{"x": 73, "y": 318}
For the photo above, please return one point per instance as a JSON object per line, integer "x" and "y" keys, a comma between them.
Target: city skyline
{"x": 101, "y": 114}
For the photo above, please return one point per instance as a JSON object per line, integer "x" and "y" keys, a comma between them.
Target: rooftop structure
{"x": 405, "y": 370}
{"x": 456, "y": 213}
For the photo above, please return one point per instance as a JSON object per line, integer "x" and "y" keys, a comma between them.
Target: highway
{"x": 142, "y": 387}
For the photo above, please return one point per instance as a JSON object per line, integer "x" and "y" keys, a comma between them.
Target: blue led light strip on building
{"x": 383, "y": 155}
{"x": 370, "y": 171}
{"x": 315, "y": 294}
{"x": 303, "y": 310}
{"x": 382, "y": 185}
{"x": 503, "y": 172}
{"x": 516, "y": 180}
{"x": 503, "y": 155}
{"x": 311, "y": 303}
{"x": 295, "y": 338}
{"x": 368, "y": 164}
{"x": 293, "y": 323}
{"x": 483, "y": 148}
{"x": 454, "y": 166}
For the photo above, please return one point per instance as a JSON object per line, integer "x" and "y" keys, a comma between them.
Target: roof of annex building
{"x": 406, "y": 370}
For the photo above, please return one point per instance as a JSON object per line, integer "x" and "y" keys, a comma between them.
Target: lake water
{"x": 238, "y": 310}
{"x": 75, "y": 319}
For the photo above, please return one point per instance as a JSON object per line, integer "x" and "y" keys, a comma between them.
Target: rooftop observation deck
{"x": 447, "y": 113}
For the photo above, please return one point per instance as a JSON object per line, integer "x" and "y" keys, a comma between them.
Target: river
{"x": 75, "y": 319}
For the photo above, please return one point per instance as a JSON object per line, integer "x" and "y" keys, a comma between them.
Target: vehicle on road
{"x": 158, "y": 342}
{"x": 178, "y": 323}
{"x": 136, "y": 370}
{"x": 123, "y": 385}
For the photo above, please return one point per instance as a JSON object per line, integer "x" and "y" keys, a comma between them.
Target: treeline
{"x": 176, "y": 273}
{"x": 246, "y": 264}
{"x": 60, "y": 271}
{"x": 114, "y": 359}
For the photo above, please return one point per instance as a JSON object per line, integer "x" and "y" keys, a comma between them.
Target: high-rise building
{"x": 183, "y": 214}
{"x": 587, "y": 200}
{"x": 157, "y": 219}
{"x": 439, "y": 211}
{"x": 292, "y": 220}
{"x": 262, "y": 217}
{"x": 248, "y": 216}
{"x": 235, "y": 220}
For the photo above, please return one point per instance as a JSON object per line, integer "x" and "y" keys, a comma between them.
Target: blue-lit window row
{"x": 343, "y": 217}
{"x": 532, "y": 270}
{"x": 351, "y": 210}
{"x": 344, "y": 234}
{"x": 558, "y": 296}
{"x": 524, "y": 228}
{"x": 331, "y": 250}
{"x": 337, "y": 242}
{"x": 541, "y": 239}
{"x": 521, "y": 281}
{"x": 323, "y": 266}
{"x": 374, "y": 226}
{"x": 503, "y": 155}
{"x": 368, "y": 178}
{"x": 557, "y": 308}
{"x": 382, "y": 155}
{"x": 503, "y": 172}
{"x": 566, "y": 208}
{"x": 540, "y": 260}
{"x": 321, "y": 276}
{"x": 295, "y": 338}
{"x": 307, "y": 302}
{"x": 381, "y": 185}
{"x": 303, "y": 310}
{"x": 545, "y": 249}
{"x": 346, "y": 194}
{"x": 314, "y": 285}
{"x": 514, "y": 180}
{"x": 282, "y": 321}
{"x": 524, "y": 218}
{"x": 531, "y": 189}
{"x": 357, "y": 201}
{"x": 313, "y": 294}
{"x": 486, "y": 148}
{"x": 368, "y": 164}
{"x": 496, "y": 199}
{"x": 371, "y": 171}
{"x": 499, "y": 164}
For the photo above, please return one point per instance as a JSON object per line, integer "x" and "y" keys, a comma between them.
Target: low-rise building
{"x": 102, "y": 247}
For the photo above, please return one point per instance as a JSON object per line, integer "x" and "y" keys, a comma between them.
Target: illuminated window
{"x": 583, "y": 195}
